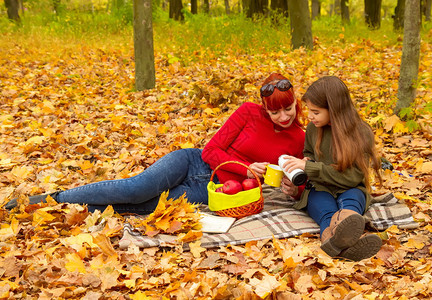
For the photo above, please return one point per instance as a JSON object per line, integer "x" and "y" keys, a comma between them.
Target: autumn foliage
{"x": 70, "y": 116}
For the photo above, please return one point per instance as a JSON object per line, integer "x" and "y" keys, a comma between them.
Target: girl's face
{"x": 318, "y": 116}
{"x": 283, "y": 117}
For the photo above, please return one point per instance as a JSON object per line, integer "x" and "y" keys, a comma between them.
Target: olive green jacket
{"x": 322, "y": 174}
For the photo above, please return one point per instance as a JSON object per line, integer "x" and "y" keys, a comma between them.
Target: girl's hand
{"x": 288, "y": 188}
{"x": 292, "y": 163}
{"x": 259, "y": 168}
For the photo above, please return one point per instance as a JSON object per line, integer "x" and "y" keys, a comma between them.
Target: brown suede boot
{"x": 367, "y": 246}
{"x": 346, "y": 227}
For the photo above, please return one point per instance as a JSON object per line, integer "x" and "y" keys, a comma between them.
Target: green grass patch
{"x": 198, "y": 34}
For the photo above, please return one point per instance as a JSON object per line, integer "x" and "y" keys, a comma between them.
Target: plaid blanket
{"x": 278, "y": 219}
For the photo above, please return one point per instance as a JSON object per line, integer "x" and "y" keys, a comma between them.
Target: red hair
{"x": 278, "y": 99}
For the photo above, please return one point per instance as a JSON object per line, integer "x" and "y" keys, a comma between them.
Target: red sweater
{"x": 249, "y": 136}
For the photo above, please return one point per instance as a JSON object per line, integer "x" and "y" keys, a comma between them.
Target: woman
{"x": 339, "y": 150}
{"x": 255, "y": 135}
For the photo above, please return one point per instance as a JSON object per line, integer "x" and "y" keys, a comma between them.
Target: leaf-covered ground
{"x": 69, "y": 116}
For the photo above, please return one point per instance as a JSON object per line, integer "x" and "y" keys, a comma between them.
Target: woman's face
{"x": 283, "y": 117}
{"x": 318, "y": 116}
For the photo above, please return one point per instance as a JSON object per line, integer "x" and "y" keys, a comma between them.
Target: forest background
{"x": 70, "y": 116}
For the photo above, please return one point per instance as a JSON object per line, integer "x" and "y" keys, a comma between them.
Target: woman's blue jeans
{"x": 181, "y": 171}
{"x": 322, "y": 205}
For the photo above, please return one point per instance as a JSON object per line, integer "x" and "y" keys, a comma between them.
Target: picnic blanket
{"x": 279, "y": 220}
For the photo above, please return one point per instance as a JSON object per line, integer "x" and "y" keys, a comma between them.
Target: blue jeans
{"x": 322, "y": 205}
{"x": 181, "y": 171}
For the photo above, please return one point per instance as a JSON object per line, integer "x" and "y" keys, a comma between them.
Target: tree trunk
{"x": 194, "y": 7}
{"x": 345, "y": 11}
{"x": 301, "y": 24}
{"x": 279, "y": 7}
{"x": 316, "y": 9}
{"x": 227, "y": 7}
{"x": 12, "y": 7}
{"x": 335, "y": 7}
{"x": 143, "y": 45}
{"x": 206, "y": 6}
{"x": 57, "y": 6}
{"x": 175, "y": 10}
{"x": 410, "y": 56}
{"x": 398, "y": 20}
{"x": 373, "y": 13}
{"x": 427, "y": 9}
{"x": 256, "y": 8}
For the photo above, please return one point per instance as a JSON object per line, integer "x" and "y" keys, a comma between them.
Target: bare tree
{"x": 399, "y": 11}
{"x": 301, "y": 24}
{"x": 373, "y": 13}
{"x": 206, "y": 6}
{"x": 279, "y": 7}
{"x": 335, "y": 7}
{"x": 194, "y": 6}
{"x": 344, "y": 7}
{"x": 143, "y": 45}
{"x": 426, "y": 8}
{"x": 410, "y": 56}
{"x": 316, "y": 9}
{"x": 12, "y": 7}
{"x": 227, "y": 7}
{"x": 175, "y": 10}
{"x": 256, "y": 8}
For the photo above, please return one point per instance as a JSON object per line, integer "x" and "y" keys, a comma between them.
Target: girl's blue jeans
{"x": 181, "y": 171}
{"x": 322, "y": 205}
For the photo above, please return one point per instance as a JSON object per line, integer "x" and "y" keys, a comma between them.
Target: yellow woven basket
{"x": 242, "y": 204}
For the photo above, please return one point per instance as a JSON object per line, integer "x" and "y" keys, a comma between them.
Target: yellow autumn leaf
{"x": 417, "y": 242}
{"x": 265, "y": 286}
{"x": 426, "y": 167}
{"x": 6, "y": 232}
{"x": 21, "y": 172}
{"x": 74, "y": 263}
{"x": 85, "y": 164}
{"x": 187, "y": 145}
{"x": 41, "y": 217}
{"x": 104, "y": 244}
{"x": 390, "y": 123}
{"x": 196, "y": 249}
{"x": 140, "y": 295}
{"x": 163, "y": 129}
{"x": 129, "y": 283}
{"x": 35, "y": 140}
{"x": 76, "y": 242}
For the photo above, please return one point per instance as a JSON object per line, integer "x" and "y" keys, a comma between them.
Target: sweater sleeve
{"x": 328, "y": 175}
{"x": 215, "y": 152}
{"x": 308, "y": 150}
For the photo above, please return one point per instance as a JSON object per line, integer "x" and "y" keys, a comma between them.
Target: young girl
{"x": 339, "y": 148}
{"x": 255, "y": 135}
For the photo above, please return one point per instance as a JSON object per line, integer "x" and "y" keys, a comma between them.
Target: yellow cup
{"x": 273, "y": 175}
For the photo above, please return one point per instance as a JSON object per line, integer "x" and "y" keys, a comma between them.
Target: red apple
{"x": 249, "y": 183}
{"x": 219, "y": 190}
{"x": 232, "y": 187}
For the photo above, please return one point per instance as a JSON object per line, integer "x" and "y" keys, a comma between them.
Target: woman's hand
{"x": 259, "y": 168}
{"x": 288, "y": 188}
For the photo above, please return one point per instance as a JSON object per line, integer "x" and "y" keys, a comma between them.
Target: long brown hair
{"x": 352, "y": 137}
{"x": 280, "y": 99}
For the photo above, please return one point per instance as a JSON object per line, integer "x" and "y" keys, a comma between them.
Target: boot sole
{"x": 347, "y": 233}
{"x": 366, "y": 247}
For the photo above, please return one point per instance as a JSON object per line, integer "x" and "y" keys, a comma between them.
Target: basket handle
{"x": 242, "y": 164}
